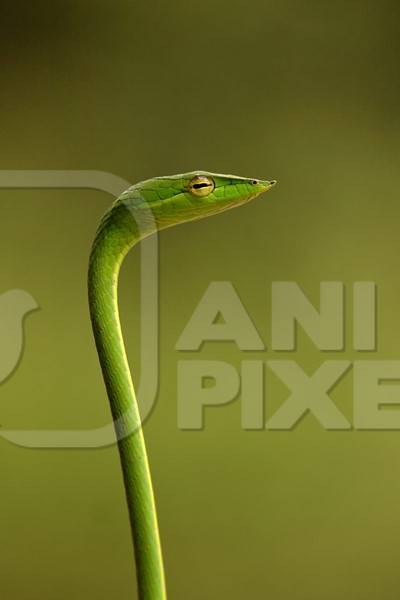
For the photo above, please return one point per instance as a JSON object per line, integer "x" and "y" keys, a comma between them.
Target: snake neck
{"x": 115, "y": 237}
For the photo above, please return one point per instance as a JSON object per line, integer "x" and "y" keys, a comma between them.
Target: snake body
{"x": 143, "y": 209}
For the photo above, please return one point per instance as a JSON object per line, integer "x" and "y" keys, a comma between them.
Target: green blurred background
{"x": 304, "y": 92}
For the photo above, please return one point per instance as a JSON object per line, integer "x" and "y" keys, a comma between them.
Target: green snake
{"x": 143, "y": 209}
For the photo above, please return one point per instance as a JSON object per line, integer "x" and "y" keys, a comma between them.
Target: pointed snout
{"x": 267, "y": 185}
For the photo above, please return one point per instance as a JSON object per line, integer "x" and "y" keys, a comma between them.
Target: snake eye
{"x": 254, "y": 182}
{"x": 201, "y": 185}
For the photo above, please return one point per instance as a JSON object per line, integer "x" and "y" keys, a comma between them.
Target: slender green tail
{"x": 143, "y": 209}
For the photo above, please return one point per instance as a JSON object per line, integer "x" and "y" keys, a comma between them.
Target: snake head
{"x": 179, "y": 198}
